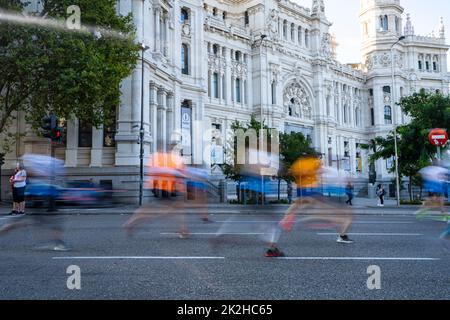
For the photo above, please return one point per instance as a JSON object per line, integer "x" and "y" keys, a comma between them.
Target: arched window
{"x": 299, "y": 36}
{"x": 184, "y": 15}
{"x": 387, "y": 115}
{"x": 224, "y": 15}
{"x": 214, "y": 12}
{"x": 387, "y": 89}
{"x": 246, "y": 18}
{"x": 307, "y": 38}
{"x": 292, "y": 32}
{"x": 285, "y": 30}
{"x": 184, "y": 59}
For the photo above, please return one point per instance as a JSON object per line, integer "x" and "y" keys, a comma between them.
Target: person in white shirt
{"x": 19, "y": 183}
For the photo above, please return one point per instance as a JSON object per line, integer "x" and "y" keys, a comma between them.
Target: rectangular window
{"x": 238, "y": 90}
{"x": 84, "y": 134}
{"x": 420, "y": 65}
{"x": 372, "y": 116}
{"x": 427, "y": 65}
{"x": 216, "y": 85}
{"x": 274, "y": 93}
{"x": 434, "y": 66}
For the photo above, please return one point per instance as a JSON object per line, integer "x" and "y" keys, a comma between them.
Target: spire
{"x": 409, "y": 28}
{"x": 318, "y": 7}
{"x": 441, "y": 28}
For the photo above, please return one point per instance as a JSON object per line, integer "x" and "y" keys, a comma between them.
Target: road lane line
{"x": 359, "y": 258}
{"x": 373, "y": 234}
{"x": 217, "y": 233}
{"x": 356, "y": 222}
{"x": 136, "y": 258}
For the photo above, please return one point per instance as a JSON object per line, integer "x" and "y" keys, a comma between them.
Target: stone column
{"x": 97, "y": 147}
{"x": 157, "y": 21}
{"x": 227, "y": 77}
{"x": 170, "y": 118}
{"x": 72, "y": 143}
{"x": 154, "y": 115}
{"x": 166, "y": 35}
{"x": 162, "y": 120}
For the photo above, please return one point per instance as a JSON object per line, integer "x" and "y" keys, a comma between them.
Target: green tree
{"x": 67, "y": 73}
{"x": 231, "y": 168}
{"x": 427, "y": 111}
{"x": 293, "y": 146}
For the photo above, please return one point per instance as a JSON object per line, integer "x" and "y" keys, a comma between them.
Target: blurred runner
{"x": 41, "y": 167}
{"x": 313, "y": 181}
{"x": 166, "y": 177}
{"x": 254, "y": 184}
{"x": 435, "y": 183}
{"x": 197, "y": 183}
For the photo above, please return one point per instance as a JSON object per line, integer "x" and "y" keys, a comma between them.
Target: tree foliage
{"x": 427, "y": 111}
{"x": 67, "y": 73}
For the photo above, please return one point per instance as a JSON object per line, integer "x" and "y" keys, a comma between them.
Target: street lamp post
{"x": 261, "y": 137}
{"x": 394, "y": 111}
{"x": 141, "y": 131}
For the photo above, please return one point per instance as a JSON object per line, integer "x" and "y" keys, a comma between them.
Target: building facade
{"x": 212, "y": 62}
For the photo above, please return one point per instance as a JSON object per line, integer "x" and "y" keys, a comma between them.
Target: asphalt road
{"x": 156, "y": 264}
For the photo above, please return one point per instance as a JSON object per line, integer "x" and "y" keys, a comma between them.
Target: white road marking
{"x": 373, "y": 234}
{"x": 356, "y": 222}
{"x": 360, "y": 258}
{"x": 217, "y": 233}
{"x": 136, "y": 258}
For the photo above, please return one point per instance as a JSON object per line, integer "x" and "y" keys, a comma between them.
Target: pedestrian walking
{"x": 349, "y": 193}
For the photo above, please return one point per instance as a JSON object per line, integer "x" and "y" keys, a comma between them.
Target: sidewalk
{"x": 360, "y": 206}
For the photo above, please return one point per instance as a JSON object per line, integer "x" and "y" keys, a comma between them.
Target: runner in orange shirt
{"x": 166, "y": 177}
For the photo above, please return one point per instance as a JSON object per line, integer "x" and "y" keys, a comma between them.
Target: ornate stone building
{"x": 226, "y": 60}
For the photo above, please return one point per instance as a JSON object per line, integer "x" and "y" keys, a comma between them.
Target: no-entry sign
{"x": 438, "y": 137}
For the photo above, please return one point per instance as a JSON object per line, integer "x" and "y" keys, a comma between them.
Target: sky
{"x": 344, "y": 14}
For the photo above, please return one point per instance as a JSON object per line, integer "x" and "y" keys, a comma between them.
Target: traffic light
{"x": 48, "y": 125}
{"x": 2, "y": 159}
{"x": 51, "y": 130}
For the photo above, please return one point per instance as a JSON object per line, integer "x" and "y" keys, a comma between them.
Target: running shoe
{"x": 61, "y": 247}
{"x": 183, "y": 234}
{"x": 344, "y": 239}
{"x": 274, "y": 252}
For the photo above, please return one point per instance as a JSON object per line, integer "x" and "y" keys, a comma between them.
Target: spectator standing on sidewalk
{"x": 381, "y": 193}
{"x": 19, "y": 183}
